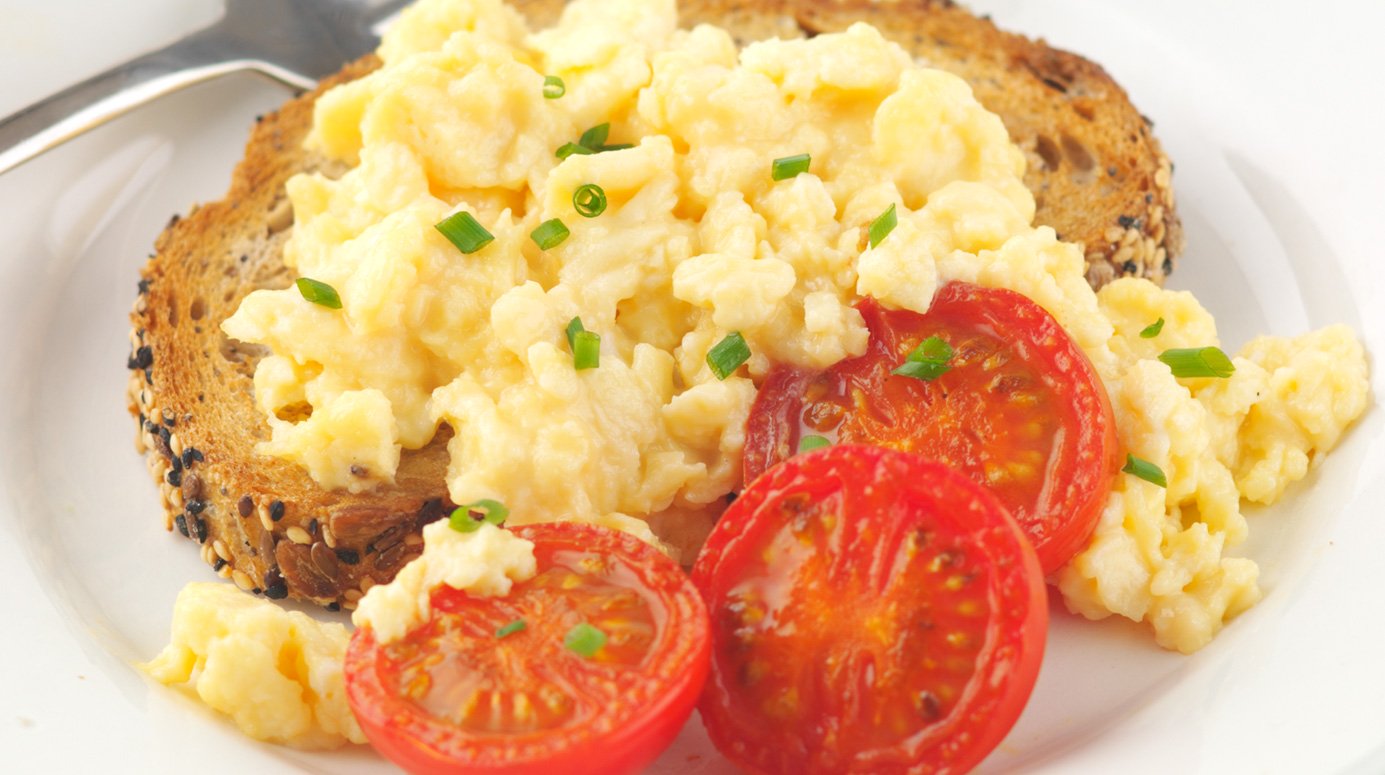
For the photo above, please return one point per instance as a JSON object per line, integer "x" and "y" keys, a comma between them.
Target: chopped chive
{"x": 574, "y": 327}
{"x": 553, "y": 87}
{"x": 1198, "y": 362}
{"x": 463, "y": 230}
{"x": 728, "y": 355}
{"x": 584, "y": 640}
{"x": 881, "y": 227}
{"x": 810, "y": 443}
{"x": 517, "y": 625}
{"x": 595, "y": 138}
{"x": 589, "y": 200}
{"x": 465, "y": 520}
{"x": 318, "y": 292}
{"x": 1145, "y": 470}
{"x": 617, "y": 147}
{"x": 586, "y": 350}
{"x": 1152, "y": 330}
{"x": 790, "y": 166}
{"x": 567, "y": 149}
{"x": 550, "y": 234}
{"x": 928, "y": 361}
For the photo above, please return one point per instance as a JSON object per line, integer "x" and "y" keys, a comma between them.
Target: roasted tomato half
{"x": 600, "y": 676}
{"x": 1018, "y": 409}
{"x": 873, "y": 612}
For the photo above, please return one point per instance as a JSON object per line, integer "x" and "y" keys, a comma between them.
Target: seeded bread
{"x": 1099, "y": 176}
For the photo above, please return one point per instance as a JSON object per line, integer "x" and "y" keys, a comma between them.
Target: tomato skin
{"x": 878, "y": 502}
{"x": 965, "y": 417}
{"x": 638, "y": 731}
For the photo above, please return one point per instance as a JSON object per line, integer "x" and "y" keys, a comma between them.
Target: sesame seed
{"x": 352, "y": 595}
{"x": 220, "y": 549}
{"x": 243, "y": 581}
{"x": 263, "y": 512}
{"x": 328, "y": 537}
{"x": 298, "y": 535}
{"x": 181, "y": 521}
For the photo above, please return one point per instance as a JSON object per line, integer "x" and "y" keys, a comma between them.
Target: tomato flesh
{"x": 872, "y": 611}
{"x": 1020, "y": 410}
{"x": 453, "y": 696}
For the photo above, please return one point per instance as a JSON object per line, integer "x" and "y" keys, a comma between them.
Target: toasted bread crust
{"x": 263, "y": 523}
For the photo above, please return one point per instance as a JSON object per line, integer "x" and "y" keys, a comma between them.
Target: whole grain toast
{"x": 1099, "y": 176}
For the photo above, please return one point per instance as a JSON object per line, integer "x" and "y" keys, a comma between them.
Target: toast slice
{"x": 1099, "y": 176}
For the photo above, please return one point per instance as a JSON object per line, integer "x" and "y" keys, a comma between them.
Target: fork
{"x": 295, "y": 42}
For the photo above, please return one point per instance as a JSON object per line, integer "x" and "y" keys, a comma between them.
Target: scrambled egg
{"x": 698, "y": 241}
{"x": 483, "y": 563}
{"x": 276, "y": 673}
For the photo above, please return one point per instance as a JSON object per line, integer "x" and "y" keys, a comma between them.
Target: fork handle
{"x": 193, "y": 59}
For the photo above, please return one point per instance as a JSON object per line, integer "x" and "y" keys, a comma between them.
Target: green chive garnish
{"x": 318, "y": 292}
{"x": 1145, "y": 470}
{"x": 550, "y": 234}
{"x": 1198, "y": 362}
{"x": 790, "y": 166}
{"x": 463, "y": 230}
{"x": 584, "y": 640}
{"x": 589, "y": 200}
{"x": 728, "y": 355}
{"x": 464, "y": 519}
{"x": 810, "y": 443}
{"x": 881, "y": 227}
{"x": 1152, "y": 330}
{"x": 586, "y": 350}
{"x": 517, "y": 625}
{"x": 567, "y": 149}
{"x": 574, "y": 327}
{"x": 928, "y": 361}
{"x": 553, "y": 87}
{"x": 595, "y": 138}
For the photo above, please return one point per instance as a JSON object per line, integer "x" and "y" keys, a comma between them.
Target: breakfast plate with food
{"x": 700, "y": 387}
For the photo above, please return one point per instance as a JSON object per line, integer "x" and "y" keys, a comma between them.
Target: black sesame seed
{"x": 150, "y": 427}
{"x": 245, "y": 506}
{"x": 349, "y": 556}
{"x": 1168, "y": 266}
{"x": 312, "y": 526}
{"x": 257, "y": 591}
{"x": 731, "y": 497}
{"x": 170, "y": 420}
{"x": 218, "y": 564}
{"x": 191, "y": 455}
{"x": 165, "y": 435}
{"x": 143, "y": 286}
{"x": 1125, "y": 221}
{"x": 276, "y": 510}
{"x": 199, "y": 529}
{"x": 1130, "y": 267}
{"x": 144, "y": 357}
{"x": 195, "y": 506}
{"x": 277, "y": 592}
{"x": 176, "y": 463}
{"x": 334, "y": 607}
{"x": 182, "y": 523}
{"x": 175, "y": 477}
{"x": 131, "y": 364}
{"x": 149, "y": 376}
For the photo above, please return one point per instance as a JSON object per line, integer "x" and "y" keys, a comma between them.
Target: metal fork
{"x": 295, "y": 42}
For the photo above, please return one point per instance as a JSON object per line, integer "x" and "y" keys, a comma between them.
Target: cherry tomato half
{"x": 472, "y": 692}
{"x": 1021, "y": 410}
{"x": 872, "y": 611}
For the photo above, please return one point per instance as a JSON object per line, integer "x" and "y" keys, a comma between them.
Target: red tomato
{"x": 1021, "y": 411}
{"x": 872, "y": 611}
{"x": 454, "y": 696}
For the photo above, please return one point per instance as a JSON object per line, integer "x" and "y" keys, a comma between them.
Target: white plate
{"x": 1279, "y": 179}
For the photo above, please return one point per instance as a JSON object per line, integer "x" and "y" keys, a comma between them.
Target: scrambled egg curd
{"x": 276, "y": 673}
{"x": 698, "y": 240}
{"x": 482, "y": 563}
